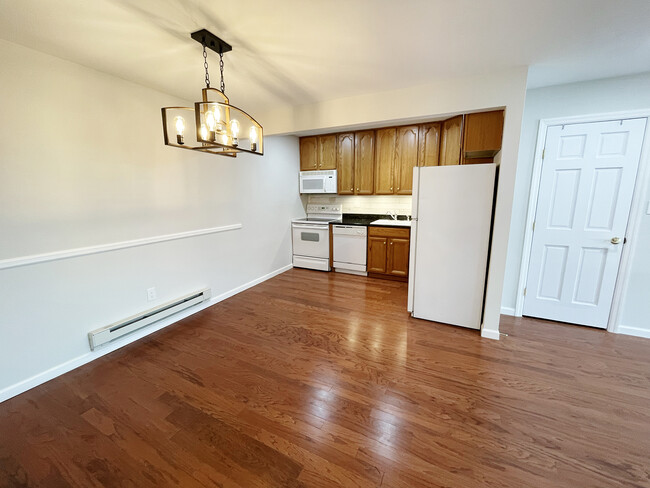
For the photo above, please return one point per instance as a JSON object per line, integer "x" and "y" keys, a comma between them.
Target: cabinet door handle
{"x": 391, "y": 188}
{"x": 351, "y": 189}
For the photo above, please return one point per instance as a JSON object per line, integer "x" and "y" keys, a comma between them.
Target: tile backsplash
{"x": 371, "y": 204}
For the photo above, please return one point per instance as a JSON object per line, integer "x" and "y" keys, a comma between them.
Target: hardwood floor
{"x": 321, "y": 380}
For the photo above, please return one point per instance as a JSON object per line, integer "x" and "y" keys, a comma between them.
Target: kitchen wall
{"x": 593, "y": 97}
{"x": 82, "y": 164}
{"x": 364, "y": 204}
{"x": 504, "y": 88}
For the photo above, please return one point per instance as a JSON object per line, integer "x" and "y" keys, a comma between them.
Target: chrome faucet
{"x": 392, "y": 214}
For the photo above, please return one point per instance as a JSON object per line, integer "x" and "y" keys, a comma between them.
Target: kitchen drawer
{"x": 388, "y": 232}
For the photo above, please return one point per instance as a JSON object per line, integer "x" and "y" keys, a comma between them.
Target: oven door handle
{"x": 314, "y": 227}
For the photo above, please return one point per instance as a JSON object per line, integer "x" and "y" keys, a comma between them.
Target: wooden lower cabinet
{"x": 398, "y": 256}
{"x": 388, "y": 252}
{"x": 377, "y": 254}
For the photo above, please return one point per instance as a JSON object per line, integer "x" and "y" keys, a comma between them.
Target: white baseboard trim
{"x": 633, "y": 331}
{"x": 490, "y": 334}
{"x": 508, "y": 311}
{"x": 47, "y": 375}
{"x": 85, "y": 251}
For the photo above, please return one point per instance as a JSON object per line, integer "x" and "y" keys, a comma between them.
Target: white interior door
{"x": 585, "y": 193}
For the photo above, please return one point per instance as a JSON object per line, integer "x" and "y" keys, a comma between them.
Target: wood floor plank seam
{"x": 313, "y": 380}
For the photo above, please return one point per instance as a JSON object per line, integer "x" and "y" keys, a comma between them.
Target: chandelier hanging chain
{"x": 205, "y": 65}
{"x": 223, "y": 84}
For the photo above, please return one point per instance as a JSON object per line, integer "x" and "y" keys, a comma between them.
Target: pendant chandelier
{"x": 217, "y": 126}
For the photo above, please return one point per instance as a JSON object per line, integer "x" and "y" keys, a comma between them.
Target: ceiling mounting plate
{"x": 211, "y": 41}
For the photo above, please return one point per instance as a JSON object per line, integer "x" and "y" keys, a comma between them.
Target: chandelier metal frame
{"x": 217, "y": 123}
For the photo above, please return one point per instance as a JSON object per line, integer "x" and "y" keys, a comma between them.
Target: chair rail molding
{"x": 115, "y": 246}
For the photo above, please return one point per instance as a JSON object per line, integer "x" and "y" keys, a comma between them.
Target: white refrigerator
{"x": 450, "y": 239}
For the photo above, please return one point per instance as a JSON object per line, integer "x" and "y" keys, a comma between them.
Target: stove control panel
{"x": 324, "y": 209}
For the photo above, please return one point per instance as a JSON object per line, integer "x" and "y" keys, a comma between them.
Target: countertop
{"x": 366, "y": 219}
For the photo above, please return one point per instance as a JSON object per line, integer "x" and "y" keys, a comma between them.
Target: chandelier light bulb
{"x": 234, "y": 129}
{"x": 217, "y": 118}
{"x": 204, "y": 132}
{"x": 224, "y": 138}
{"x": 210, "y": 120}
{"x": 180, "y": 129}
{"x": 252, "y": 135}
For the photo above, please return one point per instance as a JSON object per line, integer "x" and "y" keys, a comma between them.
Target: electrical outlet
{"x": 151, "y": 293}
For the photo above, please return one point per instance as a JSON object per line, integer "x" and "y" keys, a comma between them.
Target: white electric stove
{"x": 311, "y": 236}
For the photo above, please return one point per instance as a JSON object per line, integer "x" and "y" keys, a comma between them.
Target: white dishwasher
{"x": 350, "y": 248}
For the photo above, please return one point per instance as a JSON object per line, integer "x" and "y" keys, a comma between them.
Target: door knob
{"x": 616, "y": 240}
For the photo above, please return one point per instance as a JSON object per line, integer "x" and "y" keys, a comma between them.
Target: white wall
{"x": 82, "y": 163}
{"x": 593, "y": 97}
{"x": 444, "y": 96}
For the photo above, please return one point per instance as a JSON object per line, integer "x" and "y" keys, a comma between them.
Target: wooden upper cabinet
{"x": 364, "y": 162}
{"x": 482, "y": 135}
{"x": 406, "y": 157}
{"x": 381, "y": 161}
{"x": 385, "y": 161}
{"x": 308, "y": 153}
{"x": 429, "y": 144}
{"x": 327, "y": 152}
{"x": 345, "y": 163}
{"x": 318, "y": 152}
{"x": 451, "y": 139}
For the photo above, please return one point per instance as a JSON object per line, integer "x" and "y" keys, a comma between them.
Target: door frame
{"x": 639, "y": 196}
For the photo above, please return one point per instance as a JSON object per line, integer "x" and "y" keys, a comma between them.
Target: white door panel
{"x": 585, "y": 193}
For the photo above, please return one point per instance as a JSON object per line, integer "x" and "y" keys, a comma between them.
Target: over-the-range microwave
{"x": 318, "y": 181}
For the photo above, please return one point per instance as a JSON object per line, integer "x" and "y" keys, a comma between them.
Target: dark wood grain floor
{"x": 321, "y": 380}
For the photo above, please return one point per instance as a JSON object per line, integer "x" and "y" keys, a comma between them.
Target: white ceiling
{"x": 302, "y": 51}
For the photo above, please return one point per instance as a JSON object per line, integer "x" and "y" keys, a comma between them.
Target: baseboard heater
{"x": 118, "y": 329}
